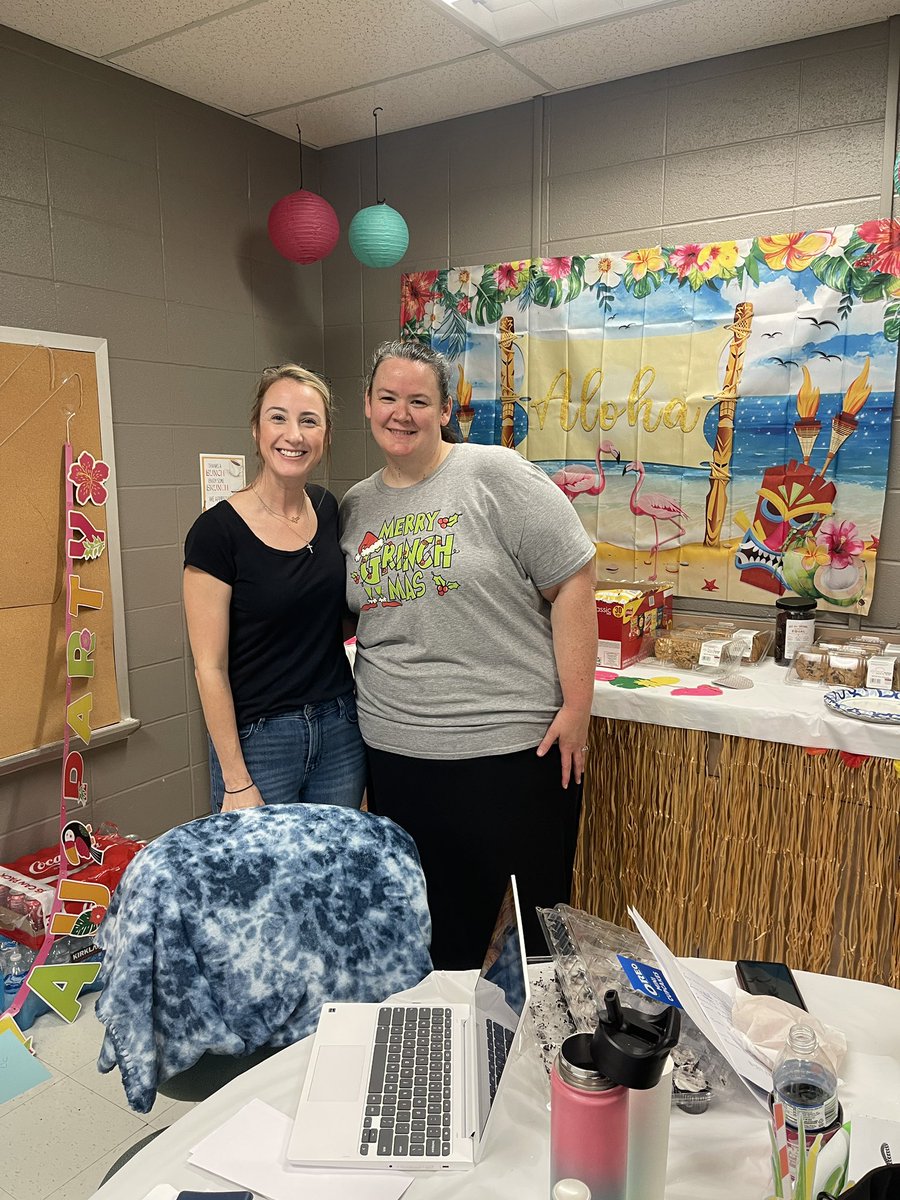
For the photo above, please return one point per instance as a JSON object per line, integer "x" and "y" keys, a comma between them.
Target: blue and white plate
{"x": 866, "y": 704}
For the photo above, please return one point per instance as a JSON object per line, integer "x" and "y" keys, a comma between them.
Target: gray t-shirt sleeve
{"x": 553, "y": 545}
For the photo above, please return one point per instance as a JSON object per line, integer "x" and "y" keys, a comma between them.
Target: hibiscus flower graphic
{"x": 884, "y": 235}
{"x": 417, "y": 290}
{"x": 89, "y": 476}
{"x": 841, "y": 540}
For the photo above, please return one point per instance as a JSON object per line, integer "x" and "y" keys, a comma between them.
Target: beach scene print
{"x": 719, "y": 416}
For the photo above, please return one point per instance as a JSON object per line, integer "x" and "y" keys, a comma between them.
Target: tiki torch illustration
{"x": 719, "y": 473}
{"x": 465, "y": 413}
{"x": 508, "y": 395}
{"x": 846, "y": 421}
{"x": 807, "y": 427}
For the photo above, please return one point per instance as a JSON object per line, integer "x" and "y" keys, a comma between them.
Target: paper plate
{"x": 866, "y": 704}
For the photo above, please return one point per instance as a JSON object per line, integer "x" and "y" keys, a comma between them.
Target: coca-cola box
{"x": 28, "y": 884}
{"x": 628, "y": 615}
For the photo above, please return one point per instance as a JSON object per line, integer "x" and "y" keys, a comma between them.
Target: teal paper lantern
{"x": 378, "y": 236}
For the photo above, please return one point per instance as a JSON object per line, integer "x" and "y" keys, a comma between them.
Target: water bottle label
{"x": 815, "y": 1116}
{"x": 649, "y": 981}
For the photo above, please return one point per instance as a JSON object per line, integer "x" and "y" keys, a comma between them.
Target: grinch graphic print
{"x": 405, "y": 558}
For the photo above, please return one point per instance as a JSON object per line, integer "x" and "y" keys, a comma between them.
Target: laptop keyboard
{"x": 499, "y": 1041}
{"x": 408, "y": 1102}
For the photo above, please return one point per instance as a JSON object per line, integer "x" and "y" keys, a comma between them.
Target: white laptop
{"x": 412, "y": 1086}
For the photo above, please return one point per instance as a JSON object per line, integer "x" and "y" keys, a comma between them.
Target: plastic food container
{"x": 821, "y": 667}
{"x": 712, "y": 647}
{"x": 882, "y": 657}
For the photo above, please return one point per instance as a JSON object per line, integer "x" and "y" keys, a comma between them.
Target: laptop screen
{"x": 500, "y": 996}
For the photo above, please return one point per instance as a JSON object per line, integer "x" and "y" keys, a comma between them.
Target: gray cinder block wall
{"x": 134, "y": 214}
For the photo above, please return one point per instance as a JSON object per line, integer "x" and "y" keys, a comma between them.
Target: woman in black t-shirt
{"x": 264, "y": 600}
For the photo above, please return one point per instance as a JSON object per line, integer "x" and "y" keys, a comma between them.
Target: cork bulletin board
{"x": 50, "y": 383}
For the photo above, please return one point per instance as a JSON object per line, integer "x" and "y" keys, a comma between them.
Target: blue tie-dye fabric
{"x": 230, "y": 933}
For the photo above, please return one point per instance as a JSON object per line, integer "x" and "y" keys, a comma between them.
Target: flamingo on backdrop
{"x": 658, "y": 508}
{"x": 578, "y": 481}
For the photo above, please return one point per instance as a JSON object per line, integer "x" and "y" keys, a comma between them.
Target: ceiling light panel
{"x": 509, "y": 21}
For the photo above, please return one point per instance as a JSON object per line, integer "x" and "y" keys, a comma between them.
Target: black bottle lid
{"x": 631, "y": 1047}
{"x": 797, "y": 603}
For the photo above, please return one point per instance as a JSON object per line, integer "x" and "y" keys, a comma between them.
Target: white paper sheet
{"x": 249, "y": 1150}
{"x": 710, "y": 1008}
{"x": 873, "y": 1142}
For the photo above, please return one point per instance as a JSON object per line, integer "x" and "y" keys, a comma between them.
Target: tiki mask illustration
{"x": 792, "y": 499}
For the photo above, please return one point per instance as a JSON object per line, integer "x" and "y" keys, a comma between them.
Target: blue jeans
{"x": 314, "y": 755}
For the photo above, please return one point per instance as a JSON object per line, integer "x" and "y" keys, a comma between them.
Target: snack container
{"x": 848, "y": 640}
{"x": 820, "y": 667}
{"x": 628, "y": 615}
{"x": 710, "y": 648}
{"x": 883, "y": 670}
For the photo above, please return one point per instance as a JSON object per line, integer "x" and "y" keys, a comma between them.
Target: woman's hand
{"x": 250, "y": 798}
{"x": 570, "y": 729}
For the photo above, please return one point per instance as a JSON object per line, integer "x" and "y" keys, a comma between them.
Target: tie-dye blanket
{"x": 230, "y": 933}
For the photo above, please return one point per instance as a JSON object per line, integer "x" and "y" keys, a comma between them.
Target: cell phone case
{"x": 215, "y": 1196}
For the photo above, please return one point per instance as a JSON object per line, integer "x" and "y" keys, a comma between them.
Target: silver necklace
{"x": 292, "y": 521}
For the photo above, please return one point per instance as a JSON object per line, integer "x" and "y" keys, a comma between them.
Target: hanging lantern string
{"x": 375, "y": 112}
{"x": 300, "y": 144}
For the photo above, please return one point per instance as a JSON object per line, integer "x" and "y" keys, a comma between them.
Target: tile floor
{"x": 78, "y": 1109}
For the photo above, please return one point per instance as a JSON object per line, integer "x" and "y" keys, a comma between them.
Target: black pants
{"x": 476, "y": 821}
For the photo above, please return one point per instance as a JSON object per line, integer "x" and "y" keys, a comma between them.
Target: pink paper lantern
{"x": 303, "y": 227}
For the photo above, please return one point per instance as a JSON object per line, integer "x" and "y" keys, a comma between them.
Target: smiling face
{"x": 291, "y": 432}
{"x": 405, "y": 410}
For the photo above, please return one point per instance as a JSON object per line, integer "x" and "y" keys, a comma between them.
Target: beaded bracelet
{"x": 237, "y": 791}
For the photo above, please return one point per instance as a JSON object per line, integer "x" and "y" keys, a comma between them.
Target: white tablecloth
{"x": 770, "y": 711}
{"x": 722, "y": 1151}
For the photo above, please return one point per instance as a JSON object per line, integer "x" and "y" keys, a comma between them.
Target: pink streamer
{"x": 41, "y": 957}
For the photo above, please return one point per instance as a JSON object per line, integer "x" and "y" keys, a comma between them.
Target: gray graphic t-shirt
{"x": 454, "y": 647}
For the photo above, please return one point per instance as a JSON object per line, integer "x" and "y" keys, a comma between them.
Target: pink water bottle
{"x": 588, "y": 1124}
{"x": 589, "y": 1098}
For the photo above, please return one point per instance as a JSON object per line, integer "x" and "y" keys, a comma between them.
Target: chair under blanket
{"x": 228, "y": 934}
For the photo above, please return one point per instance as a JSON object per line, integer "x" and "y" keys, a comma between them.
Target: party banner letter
{"x": 59, "y": 986}
{"x": 80, "y": 597}
{"x": 78, "y": 717}
{"x": 63, "y": 923}
{"x": 79, "y": 649}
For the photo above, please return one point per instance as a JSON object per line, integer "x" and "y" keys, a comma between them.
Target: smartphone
{"x": 769, "y": 979}
{"x": 214, "y": 1196}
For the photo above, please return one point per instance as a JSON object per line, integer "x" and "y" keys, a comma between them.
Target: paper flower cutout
{"x": 89, "y": 476}
{"x": 852, "y": 760}
{"x": 705, "y": 689}
{"x": 604, "y": 676}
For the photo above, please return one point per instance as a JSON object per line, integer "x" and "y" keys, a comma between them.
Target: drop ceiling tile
{"x": 480, "y": 82}
{"x": 681, "y": 33}
{"x": 97, "y": 27}
{"x": 281, "y": 52}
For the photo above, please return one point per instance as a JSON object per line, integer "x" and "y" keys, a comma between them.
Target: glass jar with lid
{"x": 795, "y": 626}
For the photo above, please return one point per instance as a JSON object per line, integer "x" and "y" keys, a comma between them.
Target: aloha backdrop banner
{"x": 719, "y": 415}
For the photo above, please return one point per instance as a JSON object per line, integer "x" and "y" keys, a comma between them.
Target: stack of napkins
{"x": 249, "y": 1150}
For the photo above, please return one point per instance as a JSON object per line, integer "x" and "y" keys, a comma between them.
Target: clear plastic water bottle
{"x": 805, "y": 1081}
{"x": 15, "y": 969}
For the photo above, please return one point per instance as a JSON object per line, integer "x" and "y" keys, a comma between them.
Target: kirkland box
{"x": 628, "y": 616}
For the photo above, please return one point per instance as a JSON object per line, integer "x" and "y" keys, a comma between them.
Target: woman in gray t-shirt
{"x": 473, "y": 580}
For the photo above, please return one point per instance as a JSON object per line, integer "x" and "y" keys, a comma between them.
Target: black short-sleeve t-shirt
{"x": 285, "y": 644}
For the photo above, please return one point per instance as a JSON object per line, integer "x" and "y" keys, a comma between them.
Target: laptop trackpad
{"x": 338, "y": 1072}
